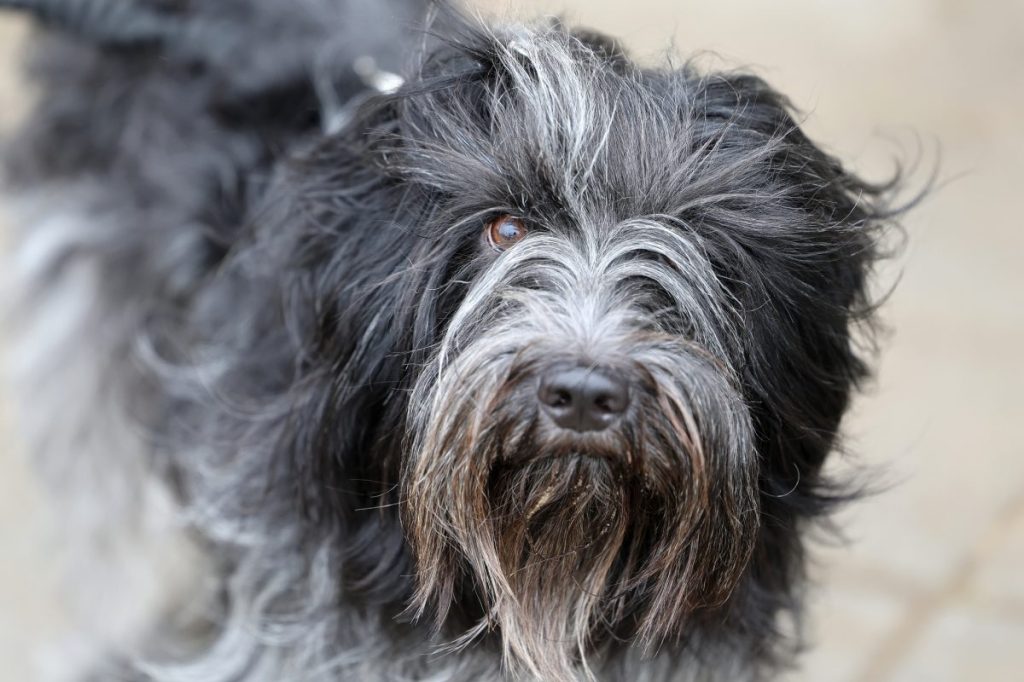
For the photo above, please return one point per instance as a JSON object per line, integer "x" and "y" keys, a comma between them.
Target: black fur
{"x": 279, "y": 291}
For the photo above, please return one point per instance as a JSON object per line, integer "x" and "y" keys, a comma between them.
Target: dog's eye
{"x": 504, "y": 231}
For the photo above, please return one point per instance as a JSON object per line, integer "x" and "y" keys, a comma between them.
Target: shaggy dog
{"x": 526, "y": 369}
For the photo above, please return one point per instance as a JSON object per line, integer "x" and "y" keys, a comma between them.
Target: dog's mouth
{"x": 564, "y": 477}
{"x": 572, "y": 539}
{"x": 555, "y": 473}
{"x": 558, "y": 447}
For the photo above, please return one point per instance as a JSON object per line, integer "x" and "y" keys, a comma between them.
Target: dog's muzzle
{"x": 581, "y": 426}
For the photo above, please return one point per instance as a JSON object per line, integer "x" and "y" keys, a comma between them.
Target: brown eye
{"x": 504, "y": 231}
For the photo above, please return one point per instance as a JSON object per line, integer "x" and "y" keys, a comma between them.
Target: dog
{"x": 367, "y": 341}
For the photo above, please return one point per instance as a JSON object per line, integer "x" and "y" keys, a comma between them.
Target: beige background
{"x": 931, "y": 585}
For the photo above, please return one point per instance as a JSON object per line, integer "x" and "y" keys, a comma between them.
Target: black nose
{"x": 583, "y": 398}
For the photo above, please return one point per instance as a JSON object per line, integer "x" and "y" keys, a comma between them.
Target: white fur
{"x": 125, "y": 558}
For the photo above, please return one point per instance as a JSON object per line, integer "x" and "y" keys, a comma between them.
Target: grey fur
{"x": 303, "y": 340}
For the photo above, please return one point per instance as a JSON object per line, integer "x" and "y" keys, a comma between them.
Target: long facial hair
{"x": 574, "y": 541}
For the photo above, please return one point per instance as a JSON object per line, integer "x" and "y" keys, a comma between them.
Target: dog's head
{"x": 590, "y": 328}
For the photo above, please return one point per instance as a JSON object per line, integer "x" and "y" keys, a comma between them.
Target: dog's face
{"x": 608, "y": 322}
{"x": 581, "y": 442}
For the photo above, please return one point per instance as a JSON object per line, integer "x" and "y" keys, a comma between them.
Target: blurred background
{"x": 929, "y": 585}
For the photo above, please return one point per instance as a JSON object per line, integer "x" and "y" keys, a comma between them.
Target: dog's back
{"x": 155, "y": 125}
{"x": 160, "y": 137}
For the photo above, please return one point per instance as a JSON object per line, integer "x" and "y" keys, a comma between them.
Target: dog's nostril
{"x": 607, "y": 403}
{"x": 583, "y": 398}
{"x": 560, "y": 398}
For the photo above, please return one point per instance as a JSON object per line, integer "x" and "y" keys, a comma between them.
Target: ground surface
{"x": 931, "y": 586}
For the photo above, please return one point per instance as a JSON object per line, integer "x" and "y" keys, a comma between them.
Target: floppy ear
{"x": 338, "y": 250}
{"x": 798, "y": 266}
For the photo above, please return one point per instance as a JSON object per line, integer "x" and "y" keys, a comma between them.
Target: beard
{"x": 571, "y": 543}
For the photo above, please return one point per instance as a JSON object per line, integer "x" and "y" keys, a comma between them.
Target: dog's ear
{"x": 337, "y": 243}
{"x": 799, "y": 267}
{"x": 815, "y": 244}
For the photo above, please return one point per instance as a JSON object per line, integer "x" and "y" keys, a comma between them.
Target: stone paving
{"x": 929, "y": 586}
